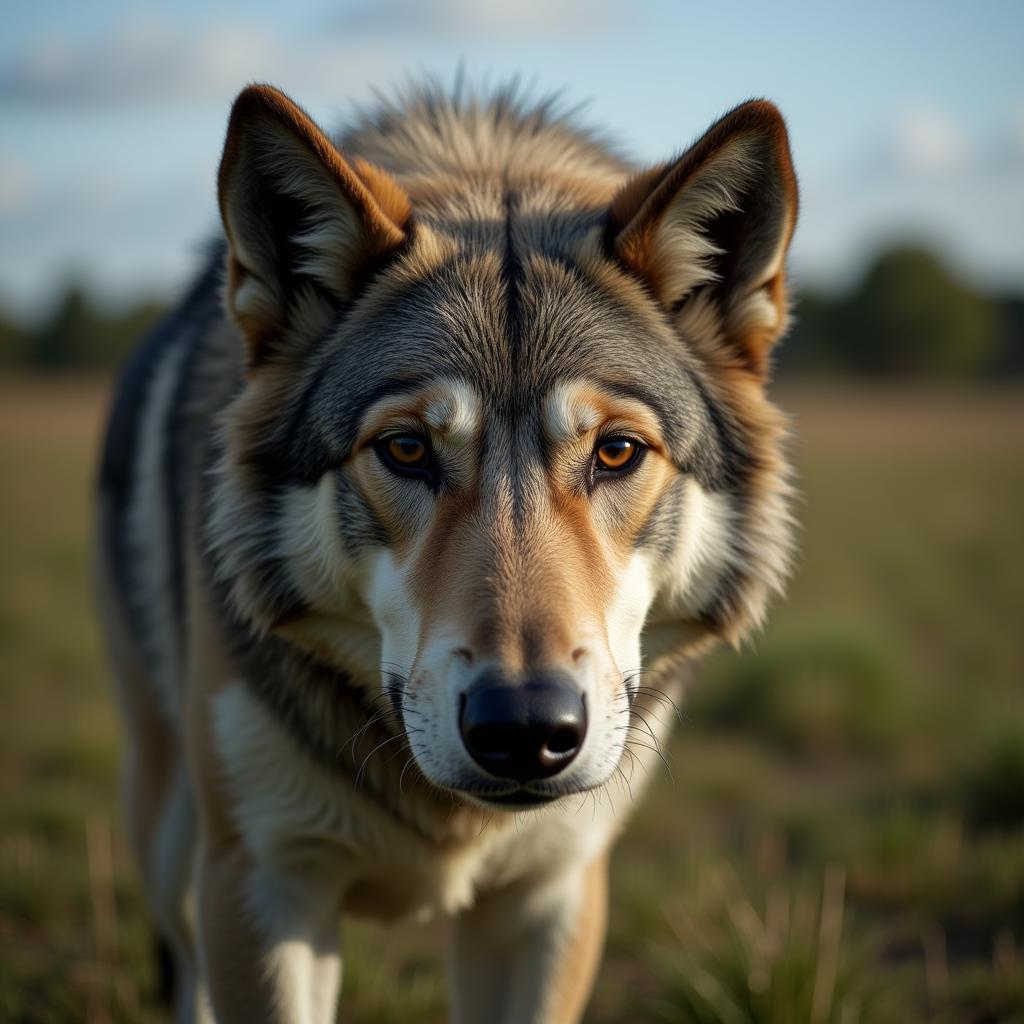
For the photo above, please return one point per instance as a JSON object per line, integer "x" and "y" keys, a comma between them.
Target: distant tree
{"x": 910, "y": 315}
{"x": 69, "y": 336}
{"x": 810, "y": 346}
{"x": 14, "y": 342}
{"x": 78, "y": 336}
{"x": 124, "y": 330}
{"x": 1011, "y": 354}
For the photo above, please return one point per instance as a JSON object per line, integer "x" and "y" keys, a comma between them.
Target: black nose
{"x": 523, "y": 731}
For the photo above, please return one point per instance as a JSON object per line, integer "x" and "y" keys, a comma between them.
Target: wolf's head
{"x": 504, "y": 434}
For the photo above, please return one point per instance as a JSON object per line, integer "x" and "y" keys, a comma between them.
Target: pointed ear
{"x": 303, "y": 224}
{"x": 714, "y": 227}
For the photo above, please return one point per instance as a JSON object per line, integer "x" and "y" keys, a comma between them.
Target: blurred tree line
{"x": 77, "y": 334}
{"x": 909, "y": 315}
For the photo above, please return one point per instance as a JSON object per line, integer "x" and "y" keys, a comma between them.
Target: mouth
{"x": 521, "y": 798}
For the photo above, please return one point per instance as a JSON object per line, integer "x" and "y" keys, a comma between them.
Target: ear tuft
{"x": 302, "y": 223}
{"x": 717, "y": 223}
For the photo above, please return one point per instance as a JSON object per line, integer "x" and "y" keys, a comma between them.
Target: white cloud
{"x": 1008, "y": 152}
{"x": 1017, "y": 133}
{"x": 142, "y": 58}
{"x": 926, "y": 140}
{"x": 152, "y": 57}
{"x": 15, "y": 185}
{"x": 922, "y": 143}
{"x": 116, "y": 172}
{"x": 122, "y": 237}
{"x": 480, "y": 18}
{"x": 149, "y": 58}
{"x": 930, "y": 182}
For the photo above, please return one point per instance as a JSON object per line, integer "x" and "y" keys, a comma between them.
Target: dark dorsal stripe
{"x": 186, "y": 325}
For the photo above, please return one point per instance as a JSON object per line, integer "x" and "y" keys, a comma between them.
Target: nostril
{"x": 563, "y": 741}
{"x": 464, "y": 654}
{"x": 489, "y": 740}
{"x": 579, "y": 654}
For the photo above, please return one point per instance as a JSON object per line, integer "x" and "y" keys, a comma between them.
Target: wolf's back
{"x": 154, "y": 429}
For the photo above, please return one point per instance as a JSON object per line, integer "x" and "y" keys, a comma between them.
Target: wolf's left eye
{"x": 407, "y": 451}
{"x": 615, "y": 454}
{"x": 405, "y": 454}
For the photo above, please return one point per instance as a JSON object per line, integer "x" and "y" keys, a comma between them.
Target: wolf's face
{"x": 496, "y": 426}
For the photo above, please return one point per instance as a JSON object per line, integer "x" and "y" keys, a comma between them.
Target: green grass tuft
{"x": 786, "y": 957}
{"x": 991, "y": 787}
{"x": 820, "y": 691}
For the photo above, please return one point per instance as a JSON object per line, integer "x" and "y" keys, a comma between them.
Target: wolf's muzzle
{"x": 523, "y": 730}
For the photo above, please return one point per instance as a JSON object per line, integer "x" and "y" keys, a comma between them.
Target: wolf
{"x": 411, "y": 518}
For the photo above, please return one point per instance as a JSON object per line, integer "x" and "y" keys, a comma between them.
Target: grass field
{"x": 844, "y": 837}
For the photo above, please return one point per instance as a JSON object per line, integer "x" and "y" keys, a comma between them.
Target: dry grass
{"x": 870, "y": 736}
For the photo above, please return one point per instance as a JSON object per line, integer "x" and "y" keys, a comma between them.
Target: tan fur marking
{"x": 581, "y": 957}
{"x": 393, "y": 202}
{"x": 209, "y": 671}
{"x": 594, "y": 410}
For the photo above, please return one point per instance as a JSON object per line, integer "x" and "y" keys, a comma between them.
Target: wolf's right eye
{"x": 406, "y": 455}
{"x": 617, "y": 454}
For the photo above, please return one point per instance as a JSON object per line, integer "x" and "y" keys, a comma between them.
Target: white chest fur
{"x": 290, "y": 810}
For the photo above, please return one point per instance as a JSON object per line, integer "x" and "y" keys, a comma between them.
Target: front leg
{"x": 268, "y": 941}
{"x": 528, "y": 955}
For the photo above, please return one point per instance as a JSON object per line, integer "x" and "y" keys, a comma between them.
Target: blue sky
{"x": 907, "y": 118}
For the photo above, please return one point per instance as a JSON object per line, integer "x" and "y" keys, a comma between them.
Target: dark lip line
{"x": 509, "y": 800}
{"x": 492, "y": 794}
{"x": 497, "y": 796}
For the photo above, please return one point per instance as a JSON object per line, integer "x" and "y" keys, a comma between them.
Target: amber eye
{"x": 406, "y": 450}
{"x": 617, "y": 453}
{"x": 408, "y": 455}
